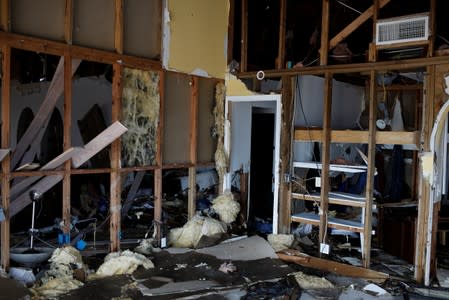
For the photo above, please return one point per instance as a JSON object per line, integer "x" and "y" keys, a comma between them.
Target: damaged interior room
{"x": 224, "y": 149}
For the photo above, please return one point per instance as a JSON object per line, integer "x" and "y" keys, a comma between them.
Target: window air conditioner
{"x": 409, "y": 28}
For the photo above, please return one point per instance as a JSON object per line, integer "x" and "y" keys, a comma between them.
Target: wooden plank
{"x": 244, "y": 37}
{"x": 54, "y": 163}
{"x": 355, "y": 24}
{"x": 403, "y": 45}
{"x": 55, "y": 91}
{"x": 66, "y": 183}
{"x": 115, "y": 188}
{"x": 372, "y": 55}
{"x": 331, "y": 266}
{"x": 332, "y": 200}
{"x": 285, "y": 154}
{"x": 97, "y": 144}
{"x": 5, "y": 143}
{"x": 341, "y": 224}
{"x": 325, "y": 158}
{"x": 84, "y": 53}
{"x": 159, "y": 159}
{"x": 369, "y": 189}
{"x": 68, "y": 21}
{"x": 324, "y": 49}
{"x": 193, "y": 145}
{"x": 158, "y": 200}
{"x": 118, "y": 26}
{"x": 132, "y": 193}
{"x": 361, "y": 137}
{"x": 5, "y": 10}
{"x": 101, "y": 141}
{"x": 282, "y": 29}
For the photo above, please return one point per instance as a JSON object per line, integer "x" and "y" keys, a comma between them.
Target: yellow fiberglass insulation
{"x": 280, "y": 241}
{"x": 125, "y": 262}
{"x": 226, "y": 207}
{"x": 140, "y": 114}
{"x": 190, "y": 234}
{"x": 221, "y": 159}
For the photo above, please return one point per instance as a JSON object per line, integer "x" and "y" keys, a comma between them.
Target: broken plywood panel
{"x": 140, "y": 114}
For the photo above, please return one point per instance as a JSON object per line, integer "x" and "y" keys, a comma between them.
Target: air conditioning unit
{"x": 403, "y": 29}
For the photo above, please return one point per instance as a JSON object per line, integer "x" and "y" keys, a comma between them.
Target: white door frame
{"x": 277, "y": 143}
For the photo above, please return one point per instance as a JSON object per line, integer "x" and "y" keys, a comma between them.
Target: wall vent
{"x": 410, "y": 28}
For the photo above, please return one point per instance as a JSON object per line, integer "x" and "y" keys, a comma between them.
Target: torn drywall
{"x": 195, "y": 36}
{"x": 140, "y": 114}
{"x": 236, "y": 87}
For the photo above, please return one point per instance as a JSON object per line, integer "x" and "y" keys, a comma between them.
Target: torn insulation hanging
{"x": 226, "y": 207}
{"x": 140, "y": 114}
{"x": 221, "y": 159}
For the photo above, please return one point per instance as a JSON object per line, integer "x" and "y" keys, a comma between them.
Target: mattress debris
{"x": 125, "y": 262}
{"x": 191, "y": 233}
{"x": 226, "y": 207}
{"x": 280, "y": 241}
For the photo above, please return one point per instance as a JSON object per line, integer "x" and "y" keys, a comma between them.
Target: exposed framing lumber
{"x": 325, "y": 157}
{"x": 85, "y": 53}
{"x": 285, "y": 153}
{"x": 355, "y": 24}
{"x": 3, "y": 153}
{"x": 360, "y": 137}
{"x": 159, "y": 158}
{"x": 132, "y": 193}
{"x": 54, "y": 92}
{"x": 282, "y": 29}
{"x": 97, "y": 144}
{"x": 244, "y": 37}
{"x": 66, "y": 184}
{"x": 118, "y": 26}
{"x": 432, "y": 24}
{"x": 370, "y": 172}
{"x": 5, "y": 9}
{"x": 324, "y": 49}
{"x": 115, "y": 188}
{"x": 194, "y": 88}
{"x": 331, "y": 266}
{"x": 68, "y": 21}
{"x": 5, "y": 141}
{"x": 372, "y": 55}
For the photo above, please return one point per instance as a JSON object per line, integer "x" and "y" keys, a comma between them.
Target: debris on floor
{"x": 312, "y": 282}
{"x": 125, "y": 262}
{"x": 281, "y": 241}
{"x": 191, "y": 233}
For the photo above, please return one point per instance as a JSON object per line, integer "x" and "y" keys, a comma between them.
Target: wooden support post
{"x": 432, "y": 25}
{"x": 159, "y": 159}
{"x": 285, "y": 154}
{"x": 66, "y": 184}
{"x": 193, "y": 145}
{"x": 244, "y": 37}
{"x": 118, "y": 27}
{"x": 231, "y": 31}
{"x": 325, "y": 157}
{"x": 372, "y": 46}
{"x": 68, "y": 21}
{"x": 424, "y": 187}
{"x": 371, "y": 171}
{"x": 5, "y": 9}
{"x": 355, "y": 24}
{"x": 115, "y": 188}
{"x": 324, "y": 49}
{"x": 5, "y": 140}
{"x": 282, "y": 29}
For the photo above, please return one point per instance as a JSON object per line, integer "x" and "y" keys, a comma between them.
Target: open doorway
{"x": 252, "y": 142}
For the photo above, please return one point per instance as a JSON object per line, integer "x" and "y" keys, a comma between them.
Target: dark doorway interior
{"x": 261, "y": 173}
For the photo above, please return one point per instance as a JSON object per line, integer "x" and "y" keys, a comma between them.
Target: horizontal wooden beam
{"x": 331, "y": 266}
{"x": 58, "y": 48}
{"x": 360, "y": 137}
{"x": 404, "y": 64}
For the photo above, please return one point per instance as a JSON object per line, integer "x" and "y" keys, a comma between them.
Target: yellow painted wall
{"x": 198, "y": 36}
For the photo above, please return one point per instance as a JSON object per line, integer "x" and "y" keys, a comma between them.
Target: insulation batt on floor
{"x": 190, "y": 234}
{"x": 125, "y": 262}
{"x": 280, "y": 241}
